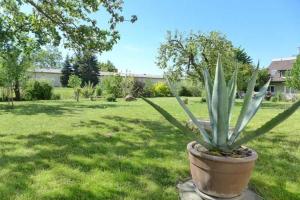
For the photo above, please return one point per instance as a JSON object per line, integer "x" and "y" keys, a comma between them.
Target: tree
{"x": 75, "y": 82}
{"x": 262, "y": 77}
{"x": 67, "y": 22}
{"x": 15, "y": 64}
{"x": 293, "y": 80}
{"x": 187, "y": 55}
{"x": 242, "y": 56}
{"x": 87, "y": 68}
{"x": 66, "y": 72}
{"x": 49, "y": 58}
{"x": 107, "y": 67}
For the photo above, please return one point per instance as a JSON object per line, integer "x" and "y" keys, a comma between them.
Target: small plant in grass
{"x": 98, "y": 90}
{"x": 88, "y": 90}
{"x": 111, "y": 98}
{"x": 220, "y": 99}
{"x": 75, "y": 82}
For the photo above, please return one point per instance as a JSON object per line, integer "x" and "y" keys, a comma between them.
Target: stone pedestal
{"x": 188, "y": 191}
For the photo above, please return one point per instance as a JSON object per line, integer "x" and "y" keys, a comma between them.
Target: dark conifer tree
{"x": 66, "y": 71}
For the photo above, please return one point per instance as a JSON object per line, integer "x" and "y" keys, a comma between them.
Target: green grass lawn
{"x": 124, "y": 150}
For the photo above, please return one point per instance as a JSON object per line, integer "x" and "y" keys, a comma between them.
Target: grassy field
{"x": 124, "y": 150}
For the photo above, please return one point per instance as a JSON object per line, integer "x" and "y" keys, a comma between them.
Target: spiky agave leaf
{"x": 176, "y": 123}
{"x": 275, "y": 121}
{"x": 253, "y": 107}
{"x": 220, "y": 107}
{"x": 231, "y": 88}
{"x": 208, "y": 89}
{"x": 204, "y": 134}
{"x": 243, "y": 113}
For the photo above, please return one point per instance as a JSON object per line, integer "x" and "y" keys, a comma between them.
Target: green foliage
{"x": 189, "y": 54}
{"x": 112, "y": 85}
{"x": 98, "y": 90}
{"x": 72, "y": 20}
{"x": 48, "y": 57}
{"x": 75, "y": 82}
{"x": 138, "y": 88}
{"x": 161, "y": 89}
{"x": 14, "y": 65}
{"x": 274, "y": 98}
{"x": 111, "y": 98}
{"x": 55, "y": 97}
{"x": 184, "y": 92}
{"x": 127, "y": 85}
{"x": 242, "y": 56}
{"x": 263, "y": 77}
{"x": 293, "y": 79}
{"x": 88, "y": 90}
{"x": 38, "y": 90}
{"x": 66, "y": 72}
{"x": 107, "y": 67}
{"x": 148, "y": 89}
{"x": 220, "y": 100}
{"x": 86, "y": 67}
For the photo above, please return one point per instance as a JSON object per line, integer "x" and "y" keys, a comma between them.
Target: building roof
{"x": 131, "y": 74}
{"x": 46, "y": 70}
{"x": 58, "y": 71}
{"x": 282, "y": 63}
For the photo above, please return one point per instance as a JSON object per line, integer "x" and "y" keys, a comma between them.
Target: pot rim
{"x": 194, "y": 152}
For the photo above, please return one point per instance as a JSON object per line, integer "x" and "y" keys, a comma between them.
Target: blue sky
{"x": 266, "y": 29}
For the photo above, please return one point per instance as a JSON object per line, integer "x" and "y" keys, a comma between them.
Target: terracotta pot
{"x": 217, "y": 176}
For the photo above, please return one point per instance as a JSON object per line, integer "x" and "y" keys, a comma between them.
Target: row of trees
{"x": 86, "y": 67}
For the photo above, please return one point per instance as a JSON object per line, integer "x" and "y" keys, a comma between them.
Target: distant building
{"x": 279, "y": 70}
{"x": 53, "y": 76}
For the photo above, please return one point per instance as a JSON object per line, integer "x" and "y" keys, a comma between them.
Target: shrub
{"x": 38, "y": 90}
{"x": 111, "y": 98}
{"x": 112, "y": 85}
{"x": 184, "y": 91}
{"x": 274, "y": 99}
{"x": 148, "y": 89}
{"x": 161, "y": 89}
{"x": 203, "y": 100}
{"x": 186, "y": 101}
{"x": 138, "y": 88}
{"x": 56, "y": 97}
{"x": 190, "y": 88}
{"x": 88, "y": 90}
{"x": 127, "y": 85}
{"x": 98, "y": 90}
{"x": 75, "y": 82}
{"x": 279, "y": 96}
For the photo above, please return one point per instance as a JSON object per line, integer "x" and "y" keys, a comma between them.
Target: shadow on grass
{"x": 52, "y": 108}
{"x": 113, "y": 154}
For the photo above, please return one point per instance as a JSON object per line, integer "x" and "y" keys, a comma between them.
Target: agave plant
{"x": 220, "y": 101}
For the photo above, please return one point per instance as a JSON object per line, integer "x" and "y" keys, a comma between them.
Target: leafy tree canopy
{"x": 188, "y": 54}
{"x": 66, "y": 22}
{"x": 49, "y": 57}
{"x": 293, "y": 79}
{"x": 107, "y": 67}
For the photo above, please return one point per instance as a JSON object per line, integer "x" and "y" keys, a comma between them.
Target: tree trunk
{"x": 17, "y": 90}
